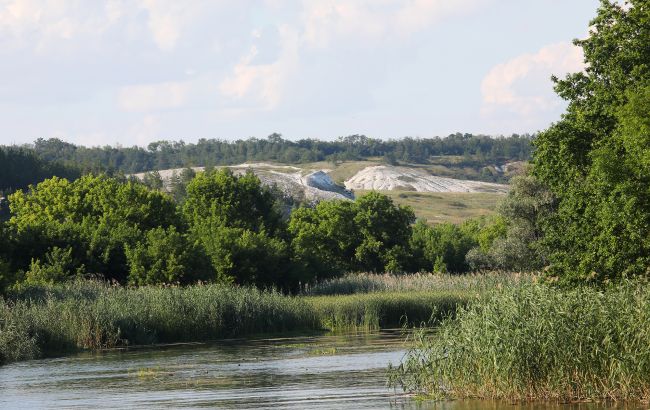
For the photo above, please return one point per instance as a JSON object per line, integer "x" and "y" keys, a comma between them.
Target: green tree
{"x": 95, "y": 216}
{"x": 441, "y": 248}
{"x": 232, "y": 201}
{"x": 592, "y": 159}
{"x": 385, "y": 230}
{"x": 325, "y": 239}
{"x": 237, "y": 222}
{"x": 166, "y": 256}
{"x": 370, "y": 234}
{"x": 513, "y": 240}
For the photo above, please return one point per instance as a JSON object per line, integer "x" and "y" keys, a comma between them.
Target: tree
{"x": 513, "y": 240}
{"x": 232, "y": 201}
{"x": 237, "y": 222}
{"x": 592, "y": 159}
{"x": 385, "y": 230}
{"x": 324, "y": 239}
{"x": 441, "y": 248}
{"x": 94, "y": 216}
{"x": 166, "y": 256}
{"x": 370, "y": 234}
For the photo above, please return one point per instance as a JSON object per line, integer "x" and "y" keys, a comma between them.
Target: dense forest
{"x": 211, "y": 152}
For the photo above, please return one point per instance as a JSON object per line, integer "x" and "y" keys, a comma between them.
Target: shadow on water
{"x": 317, "y": 372}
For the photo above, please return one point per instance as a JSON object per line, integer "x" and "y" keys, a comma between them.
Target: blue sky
{"x": 134, "y": 71}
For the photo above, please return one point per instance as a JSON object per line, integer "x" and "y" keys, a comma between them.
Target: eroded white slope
{"x": 314, "y": 186}
{"x": 389, "y": 178}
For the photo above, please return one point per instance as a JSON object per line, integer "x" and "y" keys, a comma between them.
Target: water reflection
{"x": 322, "y": 372}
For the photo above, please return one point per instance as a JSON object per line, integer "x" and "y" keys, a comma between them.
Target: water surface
{"x": 316, "y": 372}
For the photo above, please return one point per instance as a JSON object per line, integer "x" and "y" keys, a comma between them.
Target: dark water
{"x": 322, "y": 372}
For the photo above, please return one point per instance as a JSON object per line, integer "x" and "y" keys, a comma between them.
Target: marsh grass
{"x": 384, "y": 309}
{"x": 53, "y": 320}
{"x": 367, "y": 283}
{"x": 536, "y": 342}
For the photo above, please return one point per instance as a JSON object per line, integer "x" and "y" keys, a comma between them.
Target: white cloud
{"x": 262, "y": 84}
{"x": 167, "y": 19}
{"x": 145, "y": 130}
{"x": 326, "y": 21}
{"x": 42, "y": 23}
{"x": 152, "y": 97}
{"x": 521, "y": 87}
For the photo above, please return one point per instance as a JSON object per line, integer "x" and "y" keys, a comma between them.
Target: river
{"x": 315, "y": 372}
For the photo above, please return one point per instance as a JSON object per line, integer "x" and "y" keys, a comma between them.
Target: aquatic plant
{"x": 367, "y": 282}
{"x": 46, "y": 320}
{"x": 534, "y": 341}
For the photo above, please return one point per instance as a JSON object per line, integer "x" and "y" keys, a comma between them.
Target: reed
{"x": 367, "y": 283}
{"x": 51, "y": 320}
{"x": 533, "y": 341}
{"x": 384, "y": 309}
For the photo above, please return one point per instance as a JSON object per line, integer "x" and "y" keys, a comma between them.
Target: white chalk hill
{"x": 391, "y": 178}
{"x": 316, "y": 185}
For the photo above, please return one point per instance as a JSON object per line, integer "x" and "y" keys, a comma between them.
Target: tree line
{"x": 226, "y": 228}
{"x": 476, "y": 149}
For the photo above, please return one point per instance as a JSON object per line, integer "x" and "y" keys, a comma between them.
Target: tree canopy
{"x": 595, "y": 159}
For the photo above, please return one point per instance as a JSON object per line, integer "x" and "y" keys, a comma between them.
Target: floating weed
{"x": 326, "y": 351}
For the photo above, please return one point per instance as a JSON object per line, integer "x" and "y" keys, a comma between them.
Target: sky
{"x": 130, "y": 72}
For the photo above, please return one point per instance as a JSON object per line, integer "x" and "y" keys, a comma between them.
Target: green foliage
{"x": 231, "y": 201}
{"x": 478, "y": 151}
{"x": 442, "y": 248}
{"x": 512, "y": 241}
{"x": 153, "y": 181}
{"x": 236, "y": 221}
{"x": 538, "y": 342}
{"x": 94, "y": 217}
{"x": 385, "y": 230}
{"x": 370, "y": 234}
{"x": 324, "y": 238}
{"x": 179, "y": 182}
{"x": 166, "y": 256}
{"x": 41, "y": 321}
{"x": 57, "y": 266}
{"x": 244, "y": 256}
{"x": 595, "y": 159}
{"x": 20, "y": 167}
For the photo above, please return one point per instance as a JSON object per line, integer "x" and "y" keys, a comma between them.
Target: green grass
{"x": 439, "y": 207}
{"x": 53, "y": 320}
{"x": 356, "y": 283}
{"x": 535, "y": 342}
{"x": 384, "y": 309}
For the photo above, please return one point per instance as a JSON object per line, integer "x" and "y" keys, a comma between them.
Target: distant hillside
{"x": 468, "y": 156}
{"x": 20, "y": 167}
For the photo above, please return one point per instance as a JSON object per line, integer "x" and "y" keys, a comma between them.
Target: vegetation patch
{"x": 39, "y": 321}
{"x": 534, "y": 341}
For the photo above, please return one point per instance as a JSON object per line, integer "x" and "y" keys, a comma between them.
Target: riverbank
{"x": 53, "y": 320}
{"x": 538, "y": 342}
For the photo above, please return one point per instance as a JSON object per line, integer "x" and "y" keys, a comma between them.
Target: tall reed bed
{"x": 367, "y": 283}
{"x": 537, "y": 342}
{"x": 385, "y": 309}
{"x": 43, "y": 321}
{"x": 94, "y": 316}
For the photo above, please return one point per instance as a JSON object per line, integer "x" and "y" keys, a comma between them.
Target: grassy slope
{"x": 438, "y": 207}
